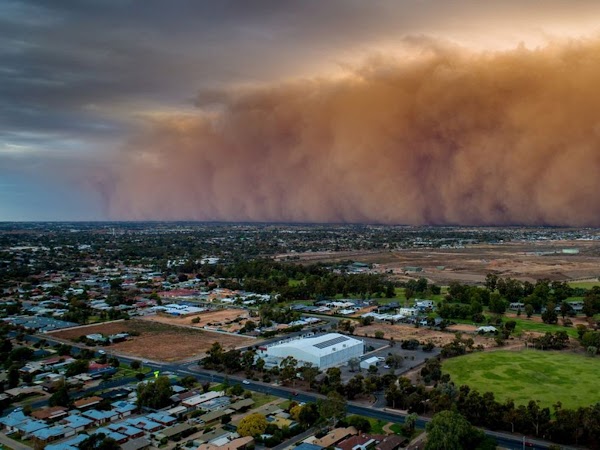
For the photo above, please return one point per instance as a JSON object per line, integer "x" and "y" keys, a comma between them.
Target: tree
{"x": 528, "y": 310}
{"x": 497, "y": 304}
{"x": 252, "y": 425}
{"x": 236, "y": 390}
{"x": 215, "y": 356}
{"x": 309, "y": 372}
{"x": 360, "y": 423}
{"x": 537, "y": 416}
{"x": 354, "y": 386}
{"x": 353, "y": 364}
{"x": 410, "y": 423}
{"x": 295, "y": 412}
{"x": 188, "y": 381}
{"x": 566, "y": 309}
{"x": 60, "y": 396}
{"x": 366, "y": 321}
{"x": 288, "y": 369}
{"x": 510, "y": 326}
{"x": 394, "y": 360}
{"x": 308, "y": 415}
{"x": 334, "y": 376}
{"x": 332, "y": 409}
{"x": 448, "y": 430}
{"x": 13, "y": 377}
{"x": 379, "y": 334}
{"x": 135, "y": 365}
{"x": 77, "y": 367}
{"x": 155, "y": 394}
{"x": 549, "y": 315}
{"x": 490, "y": 281}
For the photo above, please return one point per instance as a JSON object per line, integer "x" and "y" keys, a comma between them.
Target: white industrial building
{"x": 328, "y": 350}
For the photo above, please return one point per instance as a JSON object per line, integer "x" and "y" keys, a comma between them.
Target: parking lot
{"x": 381, "y": 349}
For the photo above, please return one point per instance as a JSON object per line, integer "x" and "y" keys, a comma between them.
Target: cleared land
{"x": 223, "y": 320}
{"x": 423, "y": 334}
{"x": 530, "y": 375}
{"x": 522, "y": 260}
{"x": 158, "y": 341}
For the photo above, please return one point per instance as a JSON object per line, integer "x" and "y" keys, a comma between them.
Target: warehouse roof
{"x": 320, "y": 345}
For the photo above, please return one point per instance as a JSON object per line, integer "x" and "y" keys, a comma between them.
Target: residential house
{"x": 77, "y": 422}
{"x": 87, "y": 402}
{"x": 334, "y": 436}
{"x": 392, "y": 442}
{"x": 143, "y": 423}
{"x": 140, "y": 443}
{"x": 101, "y": 417}
{"x": 50, "y": 414}
{"x": 50, "y": 434}
{"x": 123, "y": 408}
{"x": 161, "y": 418}
{"x": 240, "y": 443}
{"x": 70, "y": 444}
{"x": 120, "y": 438}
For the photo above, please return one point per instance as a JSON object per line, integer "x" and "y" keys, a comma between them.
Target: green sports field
{"x": 530, "y": 375}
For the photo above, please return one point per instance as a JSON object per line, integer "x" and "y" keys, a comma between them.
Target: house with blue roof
{"x": 120, "y": 438}
{"x": 77, "y": 422}
{"x": 145, "y": 424}
{"x": 71, "y": 444}
{"x": 11, "y": 420}
{"x": 50, "y": 434}
{"x": 126, "y": 429}
{"x": 29, "y": 426}
{"x": 123, "y": 408}
{"x": 163, "y": 419}
{"x": 100, "y": 417}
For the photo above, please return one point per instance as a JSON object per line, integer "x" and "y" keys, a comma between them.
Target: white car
{"x": 245, "y": 382}
{"x": 386, "y": 367}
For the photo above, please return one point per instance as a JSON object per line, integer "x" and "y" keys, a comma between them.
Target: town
{"x": 241, "y": 336}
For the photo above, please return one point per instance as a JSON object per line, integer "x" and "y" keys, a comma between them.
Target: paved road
{"x": 505, "y": 440}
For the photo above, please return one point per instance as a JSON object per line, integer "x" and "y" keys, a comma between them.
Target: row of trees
{"x": 498, "y": 292}
{"x": 265, "y": 276}
{"x": 569, "y": 426}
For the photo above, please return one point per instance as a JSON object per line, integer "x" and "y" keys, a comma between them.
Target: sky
{"x": 400, "y": 112}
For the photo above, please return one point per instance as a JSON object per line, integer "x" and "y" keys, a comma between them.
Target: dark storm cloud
{"x": 65, "y": 63}
{"x": 77, "y": 76}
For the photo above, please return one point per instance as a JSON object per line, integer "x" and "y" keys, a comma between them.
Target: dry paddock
{"x": 158, "y": 341}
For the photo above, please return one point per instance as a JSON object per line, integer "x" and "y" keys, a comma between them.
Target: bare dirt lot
{"x": 158, "y": 341}
{"x": 439, "y": 338}
{"x": 522, "y": 260}
{"x": 221, "y": 319}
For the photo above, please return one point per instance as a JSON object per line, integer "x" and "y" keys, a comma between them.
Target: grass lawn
{"x": 125, "y": 371}
{"x": 524, "y": 324}
{"x": 376, "y": 425}
{"x": 530, "y": 375}
{"x": 584, "y": 284}
{"x": 262, "y": 399}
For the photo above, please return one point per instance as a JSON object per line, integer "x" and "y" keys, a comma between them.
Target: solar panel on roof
{"x": 330, "y": 342}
